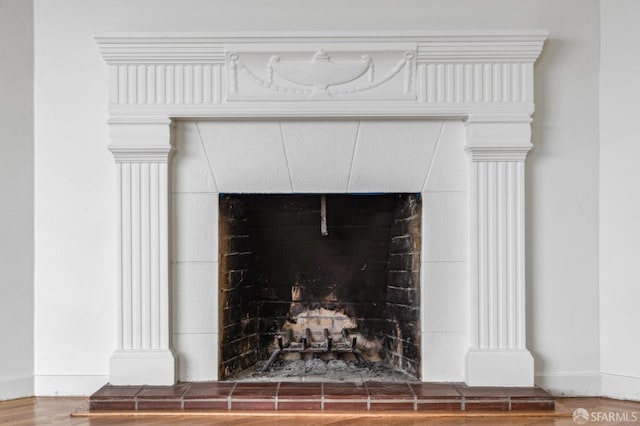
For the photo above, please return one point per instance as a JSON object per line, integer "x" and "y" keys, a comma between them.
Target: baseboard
{"x": 16, "y": 387}
{"x": 570, "y": 384}
{"x": 621, "y": 387}
{"x": 68, "y": 385}
{"x": 559, "y": 384}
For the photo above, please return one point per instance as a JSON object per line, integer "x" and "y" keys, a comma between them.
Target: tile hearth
{"x": 319, "y": 396}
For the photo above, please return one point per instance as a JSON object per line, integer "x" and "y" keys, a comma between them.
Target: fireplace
{"x": 328, "y": 277}
{"x": 456, "y": 105}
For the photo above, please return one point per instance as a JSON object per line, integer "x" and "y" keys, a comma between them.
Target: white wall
{"x": 562, "y": 202}
{"x": 619, "y": 199}
{"x": 75, "y": 209}
{"x": 16, "y": 187}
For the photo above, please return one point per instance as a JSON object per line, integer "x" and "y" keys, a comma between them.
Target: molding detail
{"x": 498, "y": 153}
{"x": 321, "y": 74}
{"x": 476, "y": 82}
{"x": 151, "y": 154}
{"x": 498, "y": 137}
{"x": 165, "y": 84}
{"x": 421, "y": 74}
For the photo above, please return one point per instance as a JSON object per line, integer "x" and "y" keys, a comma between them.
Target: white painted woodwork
{"x": 410, "y": 74}
{"x": 141, "y": 150}
{"x": 497, "y": 258}
{"x": 485, "y": 78}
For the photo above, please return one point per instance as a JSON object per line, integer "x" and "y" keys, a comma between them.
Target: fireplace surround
{"x": 484, "y": 79}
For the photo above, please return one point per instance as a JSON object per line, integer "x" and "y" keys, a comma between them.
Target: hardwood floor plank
{"x": 57, "y": 411}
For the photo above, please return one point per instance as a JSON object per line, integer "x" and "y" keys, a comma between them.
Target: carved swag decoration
{"x": 321, "y": 75}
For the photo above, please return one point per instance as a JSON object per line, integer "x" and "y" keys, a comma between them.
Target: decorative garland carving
{"x": 322, "y": 74}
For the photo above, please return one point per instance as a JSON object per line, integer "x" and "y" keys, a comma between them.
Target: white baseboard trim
{"x": 13, "y": 387}
{"x": 570, "y": 384}
{"x": 559, "y": 384}
{"x": 68, "y": 385}
{"x": 621, "y": 387}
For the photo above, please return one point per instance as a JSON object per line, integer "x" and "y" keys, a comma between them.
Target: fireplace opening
{"x": 319, "y": 284}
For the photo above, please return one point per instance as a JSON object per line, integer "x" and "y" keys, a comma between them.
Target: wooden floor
{"x": 58, "y": 411}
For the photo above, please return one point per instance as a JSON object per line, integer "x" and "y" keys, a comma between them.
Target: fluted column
{"x": 142, "y": 148}
{"x": 498, "y": 355}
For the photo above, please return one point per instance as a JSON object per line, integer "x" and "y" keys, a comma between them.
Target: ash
{"x": 317, "y": 370}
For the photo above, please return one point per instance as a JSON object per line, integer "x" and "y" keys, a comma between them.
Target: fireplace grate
{"x": 348, "y": 344}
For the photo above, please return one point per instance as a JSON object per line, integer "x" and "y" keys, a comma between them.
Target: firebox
{"x": 328, "y": 278}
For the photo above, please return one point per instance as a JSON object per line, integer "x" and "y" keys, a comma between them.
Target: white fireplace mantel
{"x": 485, "y": 78}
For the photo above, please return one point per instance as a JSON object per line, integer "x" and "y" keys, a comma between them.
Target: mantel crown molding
{"x": 137, "y": 48}
{"x": 403, "y": 73}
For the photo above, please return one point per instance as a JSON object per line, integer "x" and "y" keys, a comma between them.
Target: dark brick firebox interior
{"x": 280, "y": 274}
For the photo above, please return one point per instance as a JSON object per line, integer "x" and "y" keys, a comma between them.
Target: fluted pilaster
{"x": 142, "y": 149}
{"x": 498, "y": 355}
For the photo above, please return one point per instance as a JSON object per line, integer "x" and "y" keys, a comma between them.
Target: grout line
{"x": 206, "y": 156}
{"x": 433, "y": 157}
{"x": 183, "y": 394}
{"x": 415, "y": 397}
{"x": 229, "y": 396}
{"x": 353, "y": 157}
{"x": 286, "y": 155}
{"x": 135, "y": 397}
{"x": 321, "y": 396}
{"x": 368, "y": 396}
{"x": 277, "y": 392}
